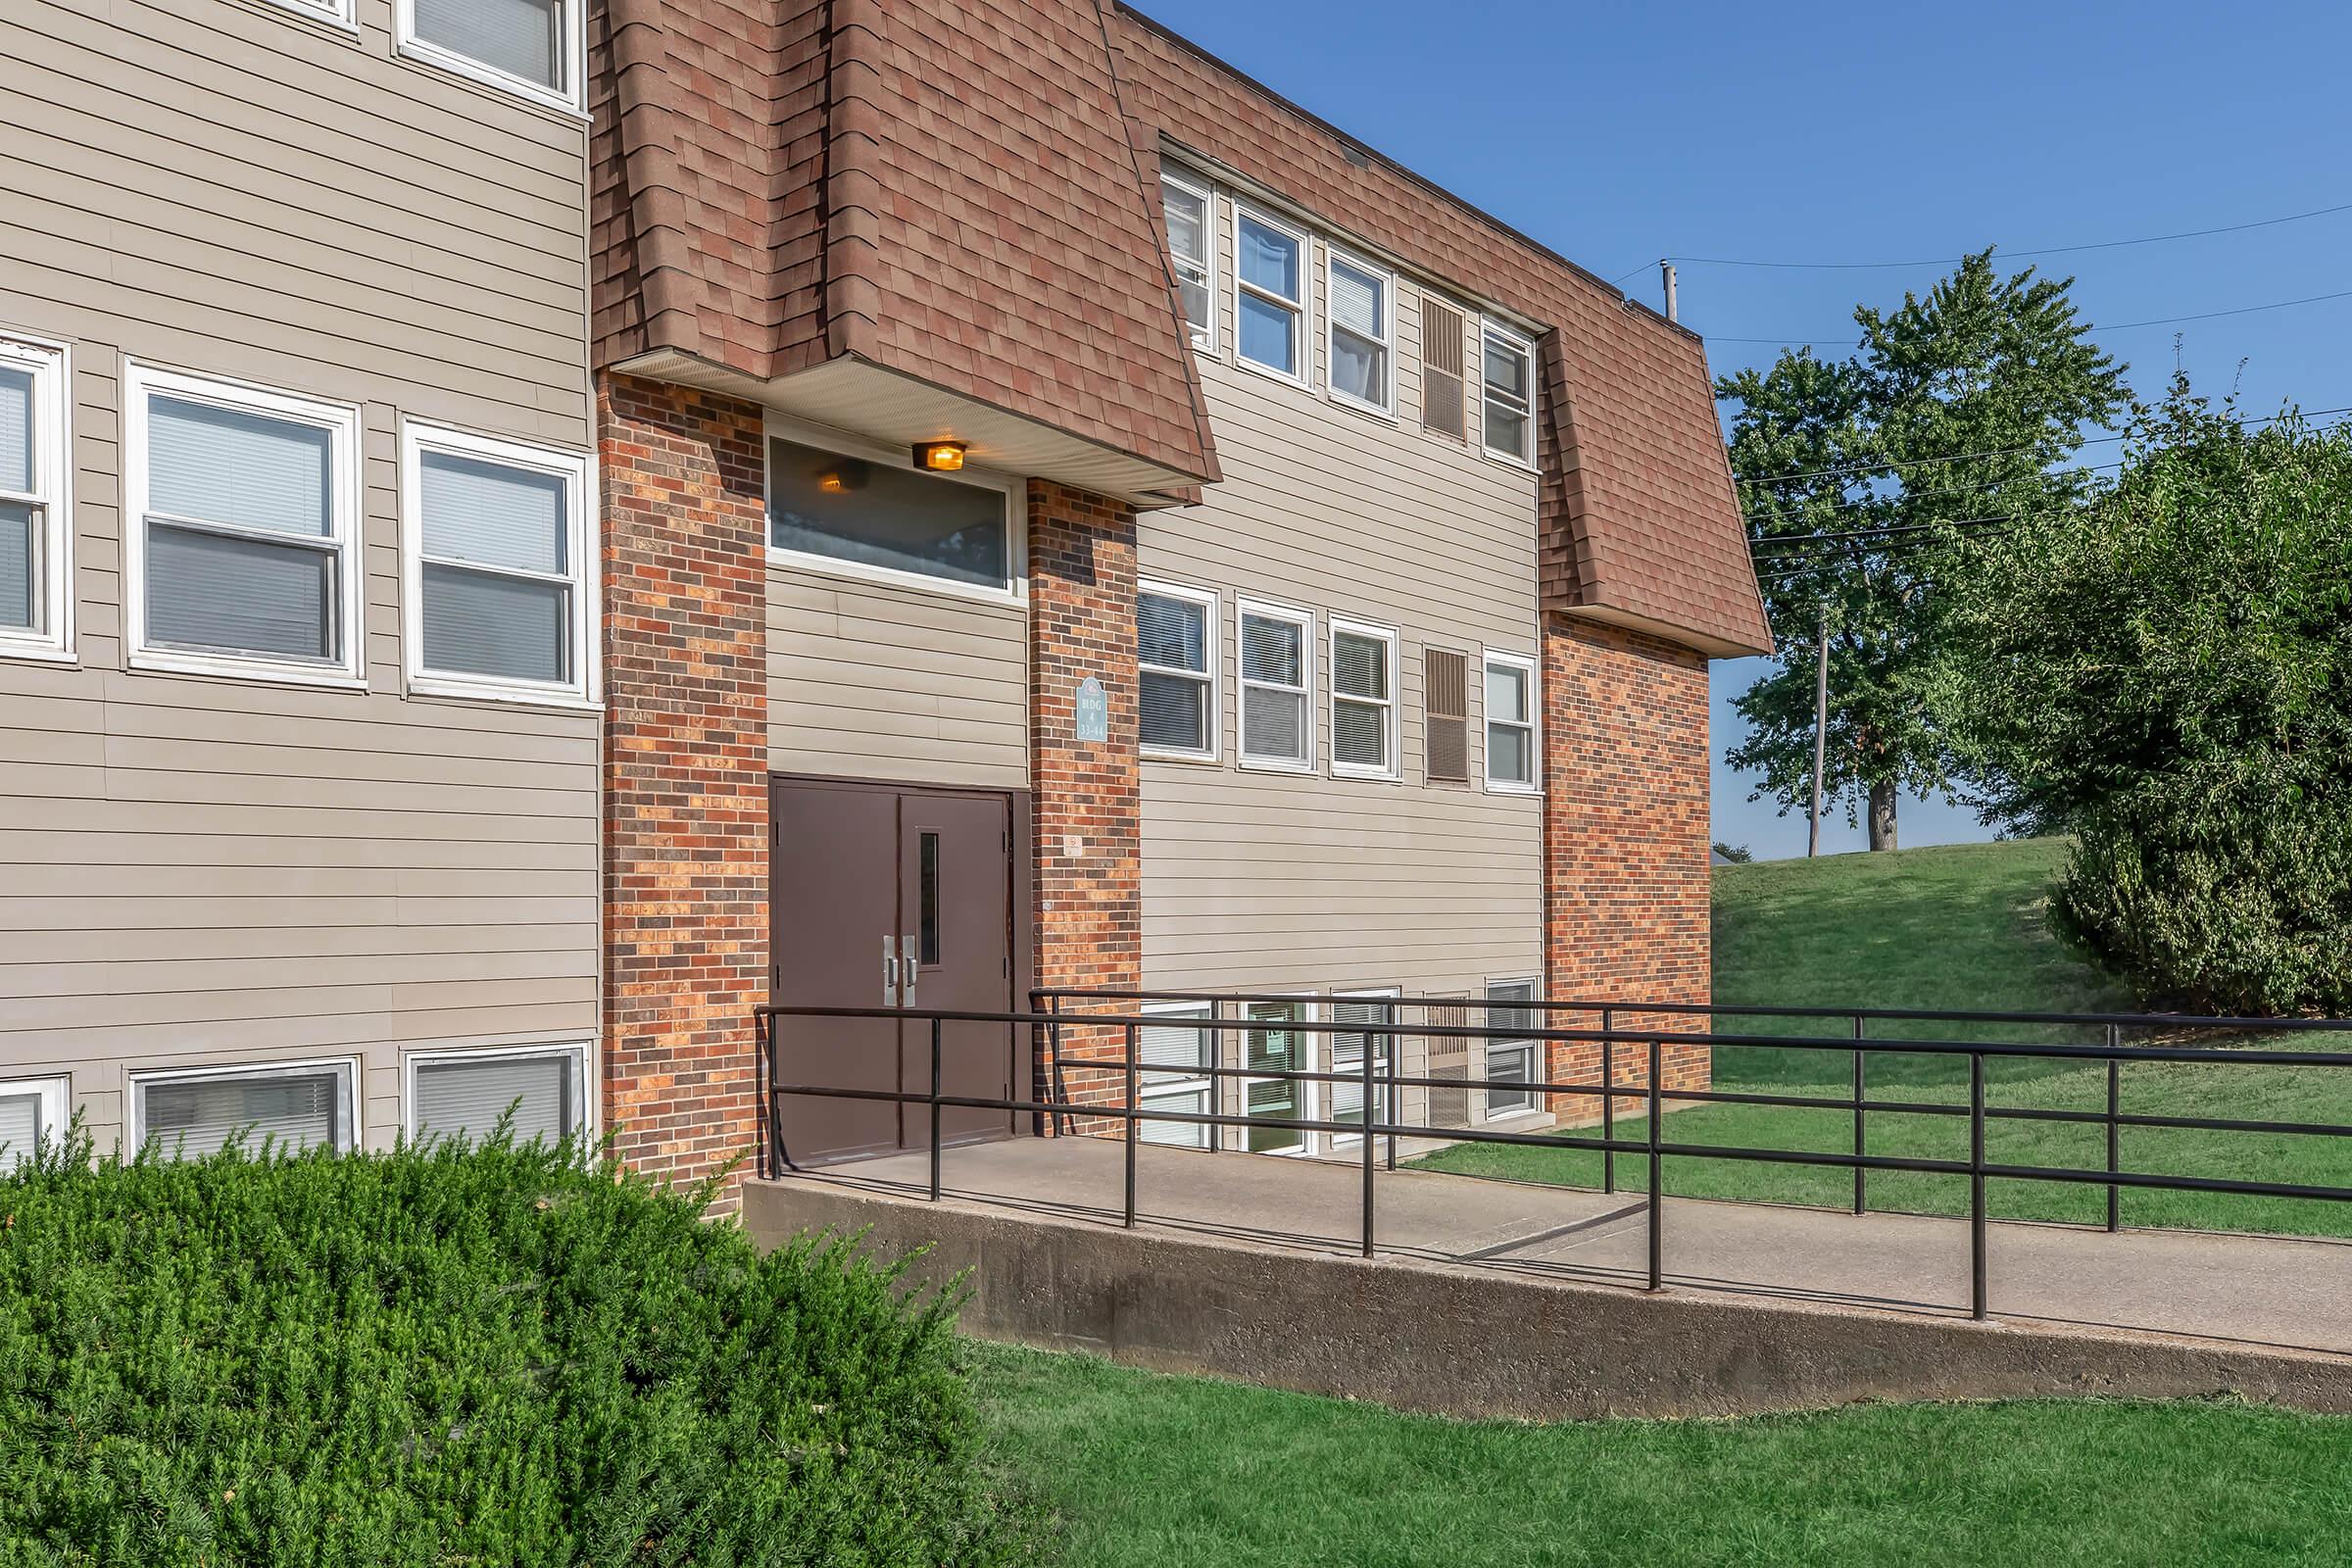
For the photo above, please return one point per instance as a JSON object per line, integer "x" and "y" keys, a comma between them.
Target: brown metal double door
{"x": 886, "y": 895}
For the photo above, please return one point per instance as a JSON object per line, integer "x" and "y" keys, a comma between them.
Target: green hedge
{"x": 455, "y": 1356}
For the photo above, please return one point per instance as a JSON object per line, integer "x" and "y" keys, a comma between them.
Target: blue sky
{"x": 1620, "y": 133}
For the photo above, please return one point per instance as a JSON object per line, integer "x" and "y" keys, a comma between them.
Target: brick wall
{"x": 1626, "y": 827}
{"x": 685, "y": 771}
{"x": 1088, "y": 822}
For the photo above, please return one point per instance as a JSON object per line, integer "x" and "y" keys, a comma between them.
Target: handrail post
{"x": 1135, "y": 1125}
{"x": 935, "y": 1155}
{"x": 767, "y": 1069}
{"x": 2115, "y": 1128}
{"x": 1367, "y": 1138}
{"x": 1061, "y": 1082}
{"x": 1977, "y": 1306}
{"x": 1396, "y": 1104}
{"x": 1861, "y": 1081}
{"x": 1657, "y": 1167}
{"x": 1608, "y": 1100}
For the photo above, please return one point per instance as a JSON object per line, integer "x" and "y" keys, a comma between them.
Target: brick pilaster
{"x": 1087, "y": 804}
{"x": 685, "y": 811}
{"x": 1626, "y": 825}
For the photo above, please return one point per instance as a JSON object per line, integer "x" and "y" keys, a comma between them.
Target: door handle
{"x": 913, "y": 963}
{"x": 889, "y": 972}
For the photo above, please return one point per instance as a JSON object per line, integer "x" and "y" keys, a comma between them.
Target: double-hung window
{"x": 1283, "y": 1050}
{"x": 1269, "y": 304}
{"x": 1510, "y": 1061}
{"x": 1348, "y": 1049}
{"x": 1359, "y": 301}
{"x": 295, "y": 1105}
{"x": 36, "y": 598}
{"x": 1510, "y": 721}
{"x": 465, "y": 1094}
{"x": 531, "y": 47}
{"x": 494, "y": 553}
{"x": 32, "y": 1112}
{"x": 1506, "y": 417}
{"x": 1175, "y": 1055}
{"x": 1363, "y": 701}
{"x": 1278, "y": 678}
{"x": 243, "y": 552}
{"x": 1188, "y": 207}
{"x": 1175, "y": 647}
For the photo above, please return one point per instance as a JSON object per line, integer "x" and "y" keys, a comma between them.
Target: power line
{"x": 1909, "y": 496}
{"x": 1842, "y": 535}
{"x": 2046, "y": 250}
{"x": 2087, "y": 326}
{"x": 2005, "y": 452}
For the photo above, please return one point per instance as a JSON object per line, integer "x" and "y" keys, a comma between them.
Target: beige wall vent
{"x": 1447, "y": 682}
{"x": 1441, "y": 404}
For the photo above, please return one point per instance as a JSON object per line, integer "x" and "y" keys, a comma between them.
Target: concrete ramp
{"x": 1502, "y": 1298}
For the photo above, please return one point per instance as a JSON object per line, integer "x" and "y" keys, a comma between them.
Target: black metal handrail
{"x": 1380, "y": 1080}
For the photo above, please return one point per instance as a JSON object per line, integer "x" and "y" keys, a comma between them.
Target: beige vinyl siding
{"x": 198, "y": 871}
{"x": 1272, "y": 881}
{"x": 880, "y": 681}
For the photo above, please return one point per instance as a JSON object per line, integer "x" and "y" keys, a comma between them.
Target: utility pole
{"x": 1821, "y": 724}
{"x": 1666, "y": 271}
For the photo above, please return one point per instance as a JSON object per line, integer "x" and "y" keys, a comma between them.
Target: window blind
{"x": 1273, "y": 689}
{"x": 522, "y": 37}
{"x": 1347, "y": 1051}
{"x": 492, "y": 513}
{"x": 19, "y": 527}
{"x": 1172, "y": 632}
{"x": 248, "y": 470}
{"x": 1446, "y": 680}
{"x": 16, "y": 430}
{"x": 481, "y": 625}
{"x": 239, "y": 595}
{"x": 1186, "y": 1049}
{"x": 1443, "y": 407}
{"x": 197, "y": 1117}
{"x": 1355, "y": 301}
{"x": 20, "y": 1129}
{"x": 469, "y": 1097}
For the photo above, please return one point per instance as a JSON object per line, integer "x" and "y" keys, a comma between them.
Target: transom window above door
{"x": 878, "y": 517}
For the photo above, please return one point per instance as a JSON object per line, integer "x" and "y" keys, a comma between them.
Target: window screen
{"x": 875, "y": 514}
{"x": 1267, "y": 266}
{"x": 195, "y": 1116}
{"x": 31, "y": 489}
{"x": 1360, "y": 701}
{"x": 21, "y": 1128}
{"x": 1513, "y": 1061}
{"x": 16, "y": 430}
{"x": 468, "y": 1097}
{"x": 1274, "y": 689}
{"x": 20, "y": 565}
{"x": 523, "y": 38}
{"x": 1509, "y": 399}
{"x": 1359, "y": 309}
{"x": 1510, "y": 723}
{"x": 497, "y": 574}
{"x": 1172, "y": 655}
{"x": 1188, "y": 217}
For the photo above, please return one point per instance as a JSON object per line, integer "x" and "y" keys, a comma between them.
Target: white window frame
{"x": 1204, "y": 337}
{"x": 1309, "y": 1054}
{"x": 56, "y": 1112}
{"x": 1206, "y": 1012}
{"x": 1525, "y": 664}
{"x": 334, "y": 13}
{"x": 1533, "y": 1048}
{"x": 1491, "y": 330}
{"x": 782, "y": 427}
{"x": 1384, "y": 634}
{"x": 341, "y": 421}
{"x": 578, "y": 471}
{"x": 1212, "y": 655}
{"x": 52, "y": 365}
{"x": 1247, "y": 609}
{"x": 1302, "y": 309}
{"x": 578, "y": 1049}
{"x": 135, "y": 1084}
{"x": 569, "y": 98}
{"x": 1381, "y": 1049}
{"x": 1333, "y": 256}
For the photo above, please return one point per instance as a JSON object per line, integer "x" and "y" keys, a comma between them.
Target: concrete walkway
{"x": 2266, "y": 1290}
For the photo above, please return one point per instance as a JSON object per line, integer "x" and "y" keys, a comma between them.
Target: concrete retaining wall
{"x": 1470, "y": 1341}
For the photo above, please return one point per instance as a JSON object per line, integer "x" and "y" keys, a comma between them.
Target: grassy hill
{"x": 1963, "y": 929}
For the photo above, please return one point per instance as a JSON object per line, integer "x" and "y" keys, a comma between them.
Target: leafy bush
{"x": 2168, "y": 676}
{"x": 455, "y": 1356}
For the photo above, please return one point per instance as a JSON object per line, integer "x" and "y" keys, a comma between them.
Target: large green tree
{"x": 1865, "y": 481}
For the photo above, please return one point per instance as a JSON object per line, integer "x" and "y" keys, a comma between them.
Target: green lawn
{"x": 1145, "y": 1469}
{"x": 1959, "y": 928}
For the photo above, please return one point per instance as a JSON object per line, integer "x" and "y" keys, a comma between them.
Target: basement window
{"x": 32, "y": 1112}
{"x": 295, "y": 1105}
{"x": 1177, "y": 1053}
{"x": 467, "y": 1093}
{"x": 1510, "y": 1061}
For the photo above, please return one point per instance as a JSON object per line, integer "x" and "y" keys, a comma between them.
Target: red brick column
{"x": 1626, "y": 825}
{"x": 1087, "y": 803}
{"x": 685, "y": 775}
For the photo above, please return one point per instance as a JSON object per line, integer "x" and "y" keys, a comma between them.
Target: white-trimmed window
{"x": 1363, "y": 699}
{"x": 1269, "y": 302}
{"x": 301, "y": 1104}
{"x": 36, "y": 515}
{"x": 1175, "y": 1055}
{"x": 871, "y": 513}
{"x": 32, "y": 1112}
{"x": 1278, "y": 682}
{"x": 1191, "y": 246}
{"x": 1176, "y": 676}
{"x": 532, "y": 47}
{"x": 1360, "y": 309}
{"x": 1277, "y": 1099}
{"x": 1510, "y": 1061}
{"x": 496, "y": 552}
{"x": 1348, "y": 1048}
{"x": 242, "y": 551}
{"x": 464, "y": 1092}
{"x": 1507, "y": 403}
{"x": 1510, "y": 721}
